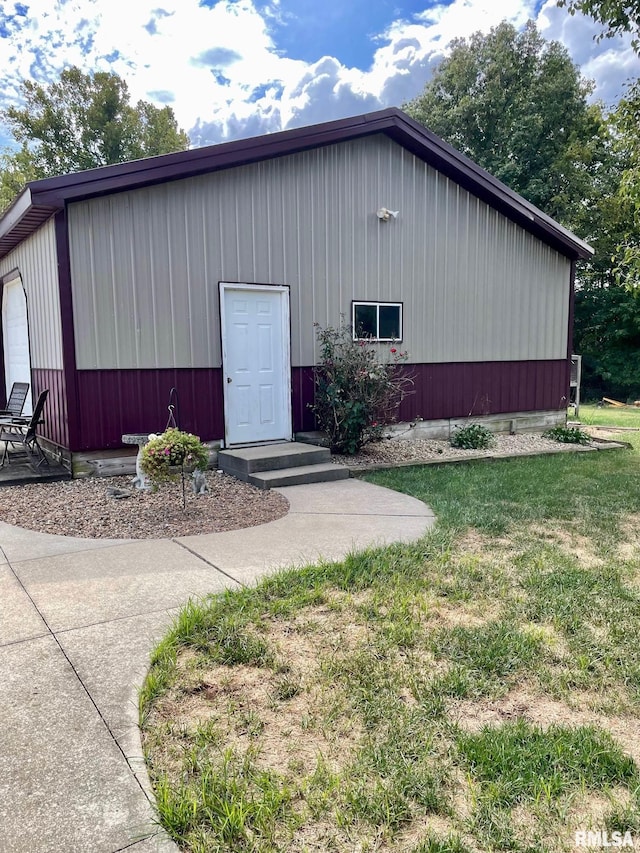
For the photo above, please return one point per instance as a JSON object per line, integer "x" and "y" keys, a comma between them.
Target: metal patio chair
{"x": 21, "y": 432}
{"x": 17, "y": 397}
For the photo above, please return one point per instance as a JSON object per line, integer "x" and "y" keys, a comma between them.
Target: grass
{"x": 519, "y": 762}
{"x": 592, "y": 491}
{"x": 611, "y": 416}
{"x": 475, "y": 690}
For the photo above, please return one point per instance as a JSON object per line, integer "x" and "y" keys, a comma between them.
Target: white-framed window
{"x": 377, "y": 321}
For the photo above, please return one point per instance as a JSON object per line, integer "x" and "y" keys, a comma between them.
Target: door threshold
{"x": 258, "y": 443}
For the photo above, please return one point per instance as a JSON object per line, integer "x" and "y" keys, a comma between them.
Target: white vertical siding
{"x": 37, "y": 261}
{"x": 476, "y": 287}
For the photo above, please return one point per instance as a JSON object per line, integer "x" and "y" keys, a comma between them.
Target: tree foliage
{"x": 516, "y": 104}
{"x": 626, "y": 119}
{"x": 607, "y": 310}
{"x": 617, "y": 17}
{"x": 16, "y": 169}
{"x": 607, "y": 333}
{"x": 82, "y": 121}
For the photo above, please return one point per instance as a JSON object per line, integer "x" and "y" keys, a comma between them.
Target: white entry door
{"x": 15, "y": 331}
{"x": 256, "y": 363}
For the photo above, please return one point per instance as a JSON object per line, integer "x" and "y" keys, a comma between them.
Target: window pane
{"x": 366, "y": 321}
{"x": 390, "y": 322}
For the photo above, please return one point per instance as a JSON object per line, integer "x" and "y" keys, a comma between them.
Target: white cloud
{"x": 401, "y": 66}
{"x": 463, "y": 17}
{"x": 224, "y": 77}
{"x": 609, "y": 63}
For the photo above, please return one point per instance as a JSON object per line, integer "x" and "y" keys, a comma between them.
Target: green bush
{"x": 359, "y": 386}
{"x": 472, "y": 437}
{"x": 568, "y": 435}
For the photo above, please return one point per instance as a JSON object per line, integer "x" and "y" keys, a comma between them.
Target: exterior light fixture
{"x": 384, "y": 214}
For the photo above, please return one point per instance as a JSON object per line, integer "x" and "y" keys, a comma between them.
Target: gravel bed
{"x": 84, "y": 508}
{"x": 399, "y": 451}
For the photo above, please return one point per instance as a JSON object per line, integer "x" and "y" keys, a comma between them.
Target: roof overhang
{"x": 21, "y": 219}
{"x": 43, "y": 198}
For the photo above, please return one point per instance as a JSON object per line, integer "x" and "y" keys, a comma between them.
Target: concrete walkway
{"x": 78, "y": 618}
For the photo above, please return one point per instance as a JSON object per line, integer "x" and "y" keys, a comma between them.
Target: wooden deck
{"x": 20, "y": 471}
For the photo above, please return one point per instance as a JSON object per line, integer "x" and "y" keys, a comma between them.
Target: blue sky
{"x": 308, "y": 30}
{"x": 233, "y": 68}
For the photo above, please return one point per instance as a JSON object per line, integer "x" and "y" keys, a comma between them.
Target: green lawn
{"x": 610, "y": 416}
{"x": 478, "y": 690}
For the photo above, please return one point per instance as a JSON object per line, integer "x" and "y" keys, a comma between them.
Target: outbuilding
{"x": 206, "y": 270}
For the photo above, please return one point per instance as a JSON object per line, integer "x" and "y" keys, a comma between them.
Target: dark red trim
{"x": 73, "y": 424}
{"x": 13, "y": 275}
{"x": 55, "y": 192}
{"x": 572, "y": 301}
{"x": 465, "y": 389}
{"x": 114, "y": 402}
{"x": 302, "y": 396}
{"x": 55, "y": 411}
{"x": 13, "y": 234}
{"x": 3, "y": 385}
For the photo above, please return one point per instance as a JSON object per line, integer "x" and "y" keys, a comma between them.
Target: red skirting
{"x": 114, "y": 402}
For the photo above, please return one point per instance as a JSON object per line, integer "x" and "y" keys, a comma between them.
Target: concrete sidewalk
{"x": 78, "y": 618}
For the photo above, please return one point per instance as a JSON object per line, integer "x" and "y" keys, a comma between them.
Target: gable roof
{"x": 41, "y": 199}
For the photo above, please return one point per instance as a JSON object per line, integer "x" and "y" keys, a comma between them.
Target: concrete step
{"x": 320, "y": 473}
{"x": 270, "y": 457}
{"x": 320, "y": 439}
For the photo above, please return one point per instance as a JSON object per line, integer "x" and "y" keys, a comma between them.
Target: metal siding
{"x": 461, "y": 390}
{"x": 55, "y": 426}
{"x": 115, "y": 402}
{"x": 302, "y": 398}
{"x": 476, "y": 287}
{"x": 36, "y": 259}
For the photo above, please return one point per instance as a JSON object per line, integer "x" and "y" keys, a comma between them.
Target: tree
{"x": 86, "y": 120}
{"x": 516, "y": 104}
{"x": 626, "y": 119}
{"x": 617, "y": 17}
{"x": 607, "y": 333}
{"x": 16, "y": 169}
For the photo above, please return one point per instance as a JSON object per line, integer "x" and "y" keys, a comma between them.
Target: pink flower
{"x": 167, "y": 451}
{"x": 393, "y": 349}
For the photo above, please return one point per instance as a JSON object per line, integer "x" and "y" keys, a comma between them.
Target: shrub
{"x": 358, "y": 389}
{"x": 171, "y": 450}
{"x": 568, "y": 435}
{"x": 472, "y": 437}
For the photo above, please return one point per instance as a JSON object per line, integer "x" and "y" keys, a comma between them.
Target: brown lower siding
{"x": 55, "y": 426}
{"x": 114, "y": 402}
{"x": 457, "y": 390}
